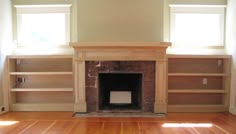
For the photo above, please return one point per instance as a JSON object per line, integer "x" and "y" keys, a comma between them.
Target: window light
{"x": 197, "y": 26}
{"x": 43, "y": 25}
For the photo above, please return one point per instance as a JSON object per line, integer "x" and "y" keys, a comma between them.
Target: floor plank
{"x": 87, "y": 128}
{"x": 131, "y": 128}
{"x": 16, "y": 128}
{"x": 60, "y": 127}
{"x": 37, "y": 128}
{"x": 64, "y": 122}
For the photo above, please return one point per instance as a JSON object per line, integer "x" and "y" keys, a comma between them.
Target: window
{"x": 43, "y": 25}
{"x": 197, "y": 25}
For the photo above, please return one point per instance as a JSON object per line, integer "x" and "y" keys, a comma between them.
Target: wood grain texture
{"x": 64, "y": 122}
{"x": 198, "y": 83}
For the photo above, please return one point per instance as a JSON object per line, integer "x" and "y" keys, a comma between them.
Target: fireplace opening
{"x": 120, "y": 91}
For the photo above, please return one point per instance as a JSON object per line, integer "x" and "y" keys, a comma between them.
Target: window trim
{"x": 202, "y": 9}
{"x": 37, "y": 9}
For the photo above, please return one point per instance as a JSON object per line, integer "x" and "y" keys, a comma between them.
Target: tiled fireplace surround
{"x": 147, "y": 58}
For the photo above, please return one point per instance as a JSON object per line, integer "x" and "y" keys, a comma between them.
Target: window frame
{"x": 199, "y": 9}
{"x": 43, "y": 9}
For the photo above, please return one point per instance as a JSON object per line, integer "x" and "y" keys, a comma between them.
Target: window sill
{"x": 171, "y": 52}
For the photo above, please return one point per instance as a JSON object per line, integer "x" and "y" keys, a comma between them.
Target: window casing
{"x": 197, "y": 25}
{"x": 43, "y": 25}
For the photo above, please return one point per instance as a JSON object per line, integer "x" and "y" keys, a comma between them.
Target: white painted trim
{"x": 3, "y": 112}
{"x": 58, "y": 5}
{"x": 28, "y": 9}
{"x": 186, "y": 5}
{"x": 232, "y": 110}
{"x": 187, "y": 9}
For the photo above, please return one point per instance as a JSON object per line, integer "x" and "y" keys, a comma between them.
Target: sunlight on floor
{"x": 206, "y": 125}
{"x": 8, "y": 123}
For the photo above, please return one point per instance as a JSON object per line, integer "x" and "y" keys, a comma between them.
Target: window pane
{"x": 197, "y": 29}
{"x": 42, "y": 29}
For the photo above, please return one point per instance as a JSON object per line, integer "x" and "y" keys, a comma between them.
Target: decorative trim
{"x": 232, "y": 110}
{"x": 3, "y": 112}
{"x": 189, "y": 5}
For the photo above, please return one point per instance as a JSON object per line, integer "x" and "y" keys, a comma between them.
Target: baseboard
{"x": 3, "y": 112}
{"x": 232, "y": 110}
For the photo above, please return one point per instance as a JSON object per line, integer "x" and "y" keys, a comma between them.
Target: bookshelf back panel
{"x": 43, "y": 65}
{"x": 50, "y": 81}
{"x": 189, "y": 65}
{"x": 44, "y": 97}
{"x": 192, "y": 99}
{"x": 193, "y": 82}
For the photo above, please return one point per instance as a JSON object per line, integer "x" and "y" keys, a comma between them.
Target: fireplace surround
{"x": 120, "y": 51}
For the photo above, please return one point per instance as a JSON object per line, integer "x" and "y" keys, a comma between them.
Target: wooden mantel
{"x": 121, "y": 51}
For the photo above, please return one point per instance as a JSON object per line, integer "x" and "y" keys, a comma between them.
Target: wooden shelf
{"x": 47, "y": 85}
{"x": 42, "y": 89}
{"x": 187, "y": 90}
{"x": 42, "y": 107}
{"x": 197, "y": 108}
{"x": 41, "y": 73}
{"x": 197, "y": 56}
{"x": 196, "y": 91}
{"x": 197, "y": 74}
{"x": 39, "y": 56}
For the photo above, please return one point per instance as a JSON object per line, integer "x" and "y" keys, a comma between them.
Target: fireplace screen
{"x": 120, "y": 97}
{"x": 120, "y": 91}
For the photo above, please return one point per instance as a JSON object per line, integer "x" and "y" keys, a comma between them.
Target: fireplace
{"x": 138, "y": 76}
{"x": 120, "y": 51}
{"x": 120, "y": 91}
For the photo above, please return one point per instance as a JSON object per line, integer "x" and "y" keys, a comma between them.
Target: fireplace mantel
{"x": 121, "y": 51}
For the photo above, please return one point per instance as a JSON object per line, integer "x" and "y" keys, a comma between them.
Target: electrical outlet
{"x": 219, "y": 63}
{"x": 20, "y": 80}
{"x": 204, "y": 81}
{"x": 18, "y": 61}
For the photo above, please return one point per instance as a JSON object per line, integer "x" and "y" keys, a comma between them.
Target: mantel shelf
{"x": 126, "y": 45}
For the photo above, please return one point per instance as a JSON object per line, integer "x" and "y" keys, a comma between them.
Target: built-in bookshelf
{"x": 40, "y": 83}
{"x": 198, "y": 83}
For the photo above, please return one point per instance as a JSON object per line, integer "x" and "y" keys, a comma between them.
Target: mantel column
{"x": 160, "y": 105}
{"x": 79, "y": 83}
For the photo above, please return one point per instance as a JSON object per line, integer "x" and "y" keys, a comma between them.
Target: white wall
{"x": 231, "y": 48}
{"x": 5, "y": 42}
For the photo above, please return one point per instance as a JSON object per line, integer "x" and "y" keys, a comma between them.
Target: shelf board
{"x": 40, "y": 56}
{"x": 202, "y": 56}
{"x": 196, "y": 91}
{"x": 197, "y": 108}
{"x": 42, "y": 107}
{"x": 197, "y": 74}
{"x": 41, "y": 73}
{"x": 41, "y": 89}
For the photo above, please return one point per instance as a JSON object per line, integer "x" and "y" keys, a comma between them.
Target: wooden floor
{"x": 63, "y": 122}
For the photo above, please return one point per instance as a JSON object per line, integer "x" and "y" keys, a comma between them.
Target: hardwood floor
{"x": 64, "y": 123}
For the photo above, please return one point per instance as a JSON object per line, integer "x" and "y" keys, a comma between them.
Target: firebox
{"x": 120, "y": 91}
